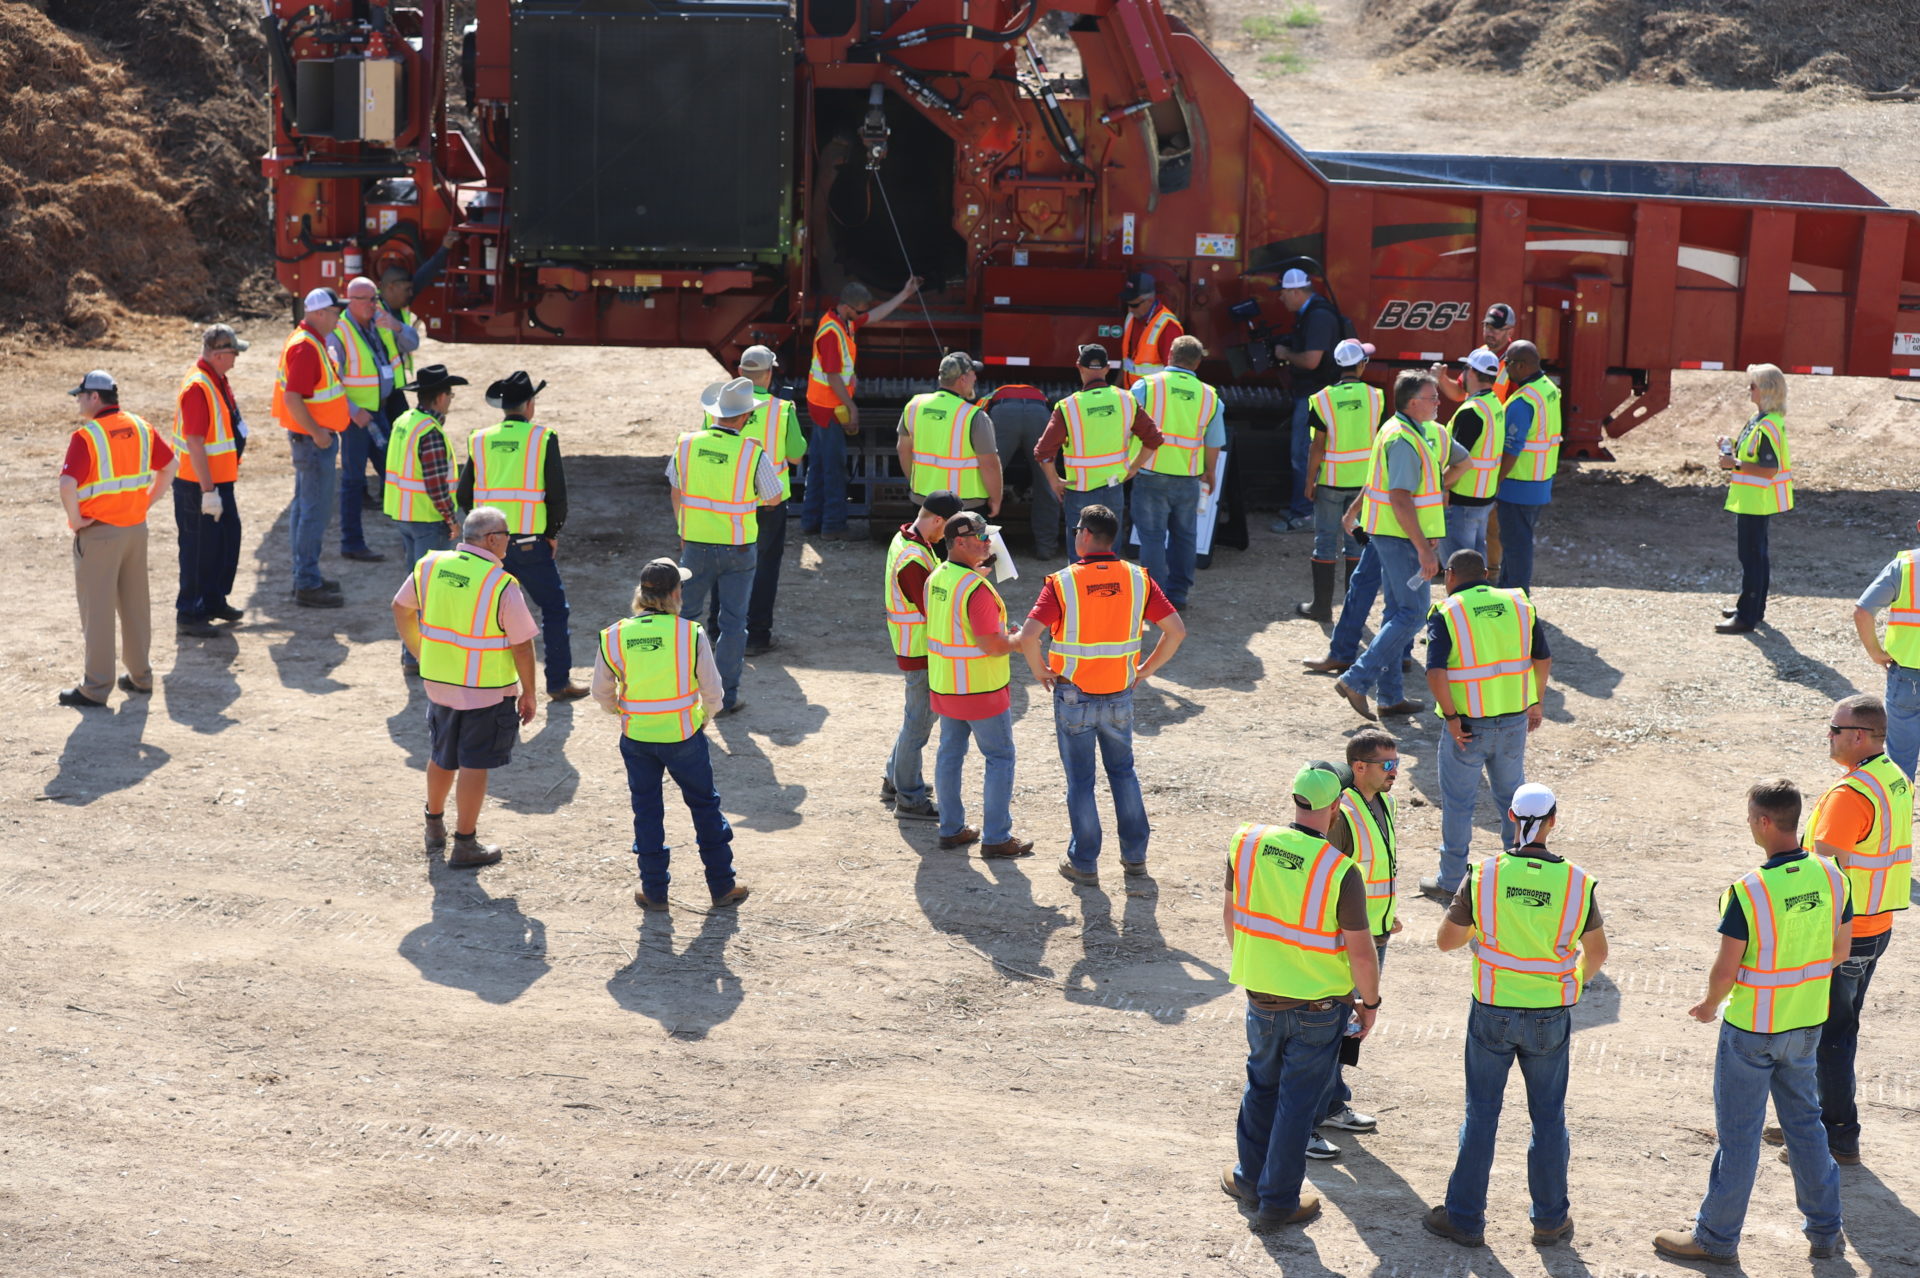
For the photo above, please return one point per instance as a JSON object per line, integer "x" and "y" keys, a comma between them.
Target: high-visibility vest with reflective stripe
{"x": 510, "y": 472}
{"x": 1184, "y": 406}
{"x": 120, "y": 448}
{"x": 1286, "y": 914}
{"x": 405, "y": 496}
{"x": 328, "y": 403}
{"x": 1879, "y": 867}
{"x": 819, "y": 389}
{"x": 1902, "y": 640}
{"x": 223, "y": 454}
{"x": 1374, "y": 850}
{"x": 1142, "y": 343}
{"x": 1528, "y": 916}
{"x": 1540, "y": 455}
{"x": 402, "y": 362}
{"x": 1490, "y": 669}
{"x": 719, "y": 505}
{"x": 940, "y": 431}
{"x": 955, "y": 661}
{"x": 1103, "y": 608}
{"x": 1350, "y": 410}
{"x": 463, "y": 640}
{"x": 654, "y": 658}
{"x": 767, "y": 427}
{"x": 1756, "y": 494}
{"x": 1482, "y": 477}
{"x": 906, "y": 624}
{"x": 1099, "y": 424}
{"x": 1792, "y": 912}
{"x": 1429, "y": 504}
{"x": 359, "y": 368}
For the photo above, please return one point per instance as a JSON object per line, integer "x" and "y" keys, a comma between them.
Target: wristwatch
{"x": 1370, "y": 1006}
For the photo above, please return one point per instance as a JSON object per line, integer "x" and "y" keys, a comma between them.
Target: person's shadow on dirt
{"x": 476, "y": 942}
{"x": 1130, "y": 968}
{"x": 1880, "y": 1225}
{"x": 1385, "y": 1211}
{"x": 986, "y": 905}
{"x": 201, "y": 684}
{"x": 540, "y": 778}
{"x": 744, "y": 775}
{"x": 686, "y": 993}
{"x": 407, "y": 726}
{"x": 1790, "y": 665}
{"x": 104, "y": 753}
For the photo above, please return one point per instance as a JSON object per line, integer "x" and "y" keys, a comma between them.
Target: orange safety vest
{"x": 120, "y": 471}
{"x": 328, "y": 403}
{"x": 1103, "y": 608}
{"x": 223, "y": 456}
{"x": 819, "y": 390}
{"x": 1143, "y": 346}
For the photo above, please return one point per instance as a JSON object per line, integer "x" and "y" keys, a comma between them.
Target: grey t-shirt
{"x": 1884, "y": 589}
{"x": 1403, "y": 463}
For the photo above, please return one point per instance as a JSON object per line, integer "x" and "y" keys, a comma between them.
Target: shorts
{"x": 472, "y": 738}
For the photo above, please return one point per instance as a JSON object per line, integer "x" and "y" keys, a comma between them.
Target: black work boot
{"x": 1321, "y": 609}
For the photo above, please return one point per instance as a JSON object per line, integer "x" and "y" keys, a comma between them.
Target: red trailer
{"x": 702, "y": 172}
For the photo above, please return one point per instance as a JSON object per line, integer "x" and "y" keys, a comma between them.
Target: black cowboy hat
{"x": 517, "y": 389}
{"x": 433, "y": 379}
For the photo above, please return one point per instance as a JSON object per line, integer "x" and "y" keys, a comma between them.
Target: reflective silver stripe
{"x": 667, "y": 706}
{"x": 406, "y": 485}
{"x": 945, "y": 649}
{"x": 1125, "y": 648}
{"x": 716, "y": 506}
{"x": 1357, "y": 455}
{"x": 1866, "y": 861}
{"x": 507, "y": 494}
{"x": 1784, "y": 978}
{"x": 907, "y": 618}
{"x": 223, "y": 447}
{"x": 1260, "y": 925}
{"x": 1091, "y": 463}
{"x": 1380, "y": 889}
{"x": 116, "y": 485}
{"x": 1419, "y": 499}
{"x": 1491, "y": 670}
{"x": 471, "y": 643}
{"x": 1514, "y": 963}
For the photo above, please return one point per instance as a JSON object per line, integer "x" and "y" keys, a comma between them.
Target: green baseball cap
{"x": 1318, "y": 786}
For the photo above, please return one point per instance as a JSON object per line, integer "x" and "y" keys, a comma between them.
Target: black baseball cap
{"x": 969, "y": 523}
{"x": 1094, "y": 355}
{"x": 1500, "y": 315}
{"x": 945, "y": 503}
{"x": 661, "y": 577}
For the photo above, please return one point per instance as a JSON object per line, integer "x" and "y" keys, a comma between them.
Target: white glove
{"x": 210, "y": 504}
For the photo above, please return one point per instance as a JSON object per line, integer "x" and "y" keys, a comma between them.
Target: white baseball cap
{"x": 1483, "y": 360}
{"x": 1349, "y": 353}
{"x": 1533, "y": 800}
{"x": 758, "y": 359}
{"x": 321, "y": 298}
{"x": 1296, "y": 278}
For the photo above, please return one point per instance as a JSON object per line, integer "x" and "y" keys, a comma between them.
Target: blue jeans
{"x": 418, "y": 537}
{"x": 531, "y": 564}
{"x": 1756, "y": 568}
{"x": 1080, "y": 719}
{"x": 1747, "y": 1069}
{"x": 1406, "y": 611}
{"x": 1363, "y": 587}
{"x": 209, "y": 549}
{"x": 316, "y": 476}
{"x": 1516, "y": 543}
{"x": 1499, "y": 746}
{"x": 356, "y": 447}
{"x": 1496, "y": 1036}
{"x": 772, "y": 544}
{"x": 727, "y": 570}
{"x": 1840, "y": 1038}
{"x": 1108, "y": 495}
{"x": 1338, "y": 1094}
{"x": 1329, "y": 507}
{"x": 1903, "y": 717}
{"x": 1466, "y": 530}
{"x": 691, "y": 767}
{"x": 1289, "y": 1057}
{"x": 916, "y": 725}
{"x": 1166, "y": 509}
{"x": 1300, "y": 448}
{"x": 995, "y": 739}
{"x": 824, "y": 508}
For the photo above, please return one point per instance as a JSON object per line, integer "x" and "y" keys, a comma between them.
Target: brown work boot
{"x": 1839, "y": 1156}
{"x": 1439, "y": 1222}
{"x": 1357, "y": 700}
{"x": 966, "y": 835}
{"x": 1403, "y": 709}
{"x": 645, "y": 902}
{"x": 1308, "y": 1209}
{"x": 1680, "y": 1244}
{"x": 572, "y": 692}
{"x": 1011, "y": 849}
{"x": 1231, "y": 1186}
{"x": 469, "y": 853}
{"x": 1547, "y": 1236}
{"x": 1327, "y": 665}
{"x": 436, "y": 834}
{"x": 726, "y": 900}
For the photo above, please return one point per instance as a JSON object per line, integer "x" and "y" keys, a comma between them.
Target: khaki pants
{"x": 109, "y": 578}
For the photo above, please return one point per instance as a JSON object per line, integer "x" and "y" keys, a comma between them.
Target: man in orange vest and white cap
{"x": 1096, "y": 611}
{"x": 310, "y": 401}
{"x": 211, "y": 436}
{"x": 116, "y": 468}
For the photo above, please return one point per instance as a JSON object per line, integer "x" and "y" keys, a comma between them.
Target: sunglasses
{"x": 1385, "y": 765}
{"x": 1835, "y": 729}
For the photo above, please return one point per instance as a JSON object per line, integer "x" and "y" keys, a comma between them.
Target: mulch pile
{"x": 1720, "y": 44}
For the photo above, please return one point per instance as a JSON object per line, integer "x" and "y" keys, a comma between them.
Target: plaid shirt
{"x": 434, "y": 470}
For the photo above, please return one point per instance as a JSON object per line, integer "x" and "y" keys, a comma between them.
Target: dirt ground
{"x": 247, "y": 1030}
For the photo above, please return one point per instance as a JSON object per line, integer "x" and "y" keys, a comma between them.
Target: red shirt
{"x": 196, "y": 417}
{"x": 983, "y": 612}
{"x": 912, "y": 580}
{"x": 1046, "y": 609}
{"x": 303, "y": 366}
{"x": 79, "y": 460}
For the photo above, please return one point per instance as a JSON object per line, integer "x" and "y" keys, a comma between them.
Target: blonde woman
{"x": 1760, "y": 486}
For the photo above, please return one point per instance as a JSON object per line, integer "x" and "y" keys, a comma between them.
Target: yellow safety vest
{"x": 1528, "y": 916}
{"x": 1184, "y": 406}
{"x": 1902, "y": 640}
{"x": 1754, "y": 494}
{"x": 1103, "y": 607}
{"x": 1879, "y": 867}
{"x": 939, "y": 429}
{"x": 1374, "y": 851}
{"x": 1099, "y": 424}
{"x": 359, "y": 369}
{"x": 510, "y": 472}
{"x": 955, "y": 661}
{"x": 463, "y": 640}
{"x": 767, "y": 427}
{"x": 223, "y": 455}
{"x": 1792, "y": 912}
{"x": 402, "y": 364}
{"x": 1490, "y": 669}
{"x": 1286, "y": 914}
{"x": 718, "y": 505}
{"x": 1351, "y": 411}
{"x": 819, "y": 389}
{"x": 1429, "y": 503}
{"x": 1482, "y": 477}
{"x": 405, "y": 496}
{"x": 1539, "y": 457}
{"x": 654, "y": 658}
{"x": 906, "y": 624}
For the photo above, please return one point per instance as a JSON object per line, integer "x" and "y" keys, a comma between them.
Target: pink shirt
{"x": 513, "y": 615}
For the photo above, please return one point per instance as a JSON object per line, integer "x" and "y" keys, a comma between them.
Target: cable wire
{"x": 919, "y": 294}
